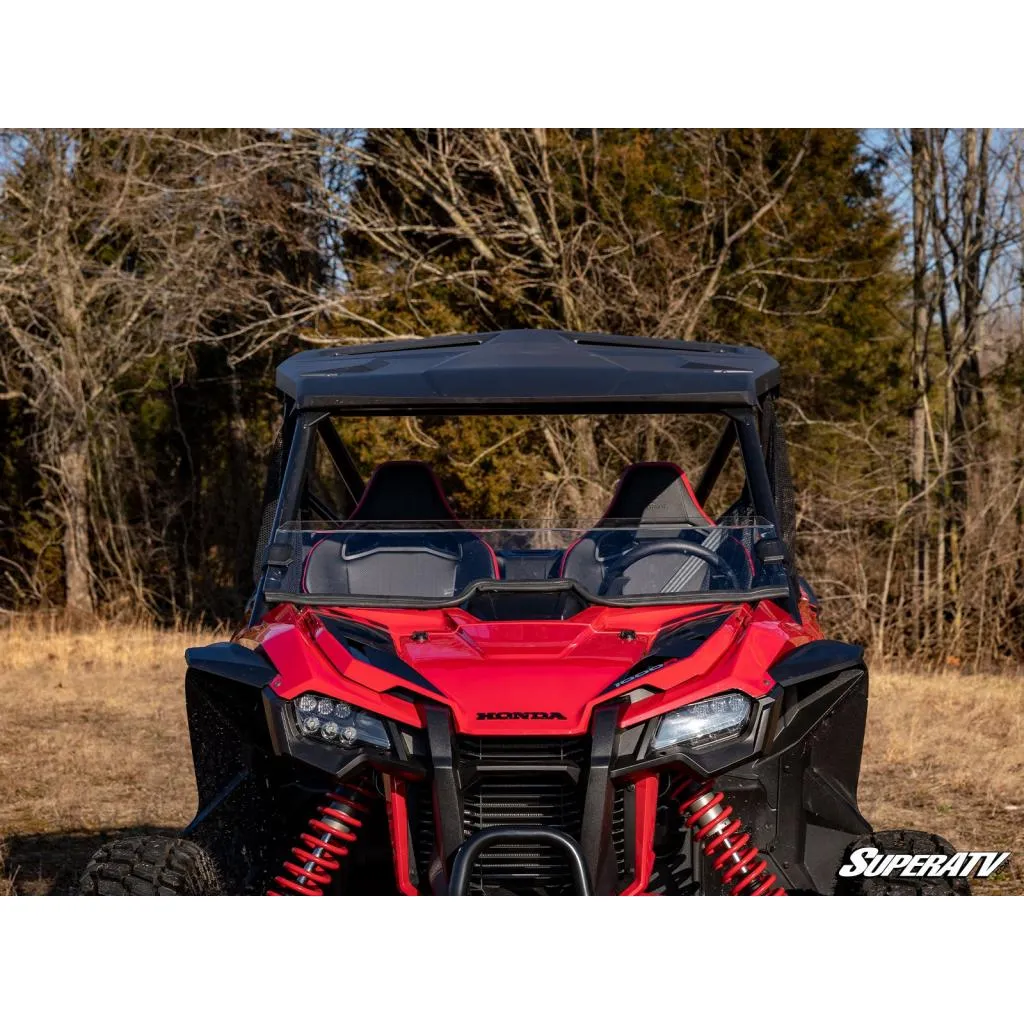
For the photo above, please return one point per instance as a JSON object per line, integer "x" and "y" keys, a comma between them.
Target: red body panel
{"x": 561, "y": 668}
{"x": 646, "y": 811}
{"x": 398, "y": 827}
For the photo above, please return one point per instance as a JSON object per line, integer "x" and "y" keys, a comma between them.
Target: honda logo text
{"x": 503, "y": 716}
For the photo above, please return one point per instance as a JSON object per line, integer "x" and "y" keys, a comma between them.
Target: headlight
{"x": 712, "y": 719}
{"x": 338, "y": 723}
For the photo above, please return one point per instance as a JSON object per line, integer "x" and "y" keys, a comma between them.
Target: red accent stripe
{"x": 565, "y": 555}
{"x": 305, "y": 567}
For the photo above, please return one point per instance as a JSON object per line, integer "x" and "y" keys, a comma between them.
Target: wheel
{"x": 901, "y": 841}
{"x": 150, "y": 866}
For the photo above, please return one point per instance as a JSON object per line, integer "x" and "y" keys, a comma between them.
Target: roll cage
{"x": 545, "y": 372}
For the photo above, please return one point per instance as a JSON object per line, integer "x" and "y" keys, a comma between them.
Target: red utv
{"x": 422, "y": 705}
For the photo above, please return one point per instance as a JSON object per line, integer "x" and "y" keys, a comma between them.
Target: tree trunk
{"x": 73, "y": 467}
{"x": 245, "y": 503}
{"x": 919, "y": 371}
{"x": 588, "y": 467}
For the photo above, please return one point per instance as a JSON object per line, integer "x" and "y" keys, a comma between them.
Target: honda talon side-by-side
{"x": 425, "y": 704}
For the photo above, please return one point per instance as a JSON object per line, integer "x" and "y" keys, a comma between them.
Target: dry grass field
{"x": 93, "y": 743}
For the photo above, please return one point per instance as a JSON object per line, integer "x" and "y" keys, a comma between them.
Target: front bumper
{"x": 469, "y": 853}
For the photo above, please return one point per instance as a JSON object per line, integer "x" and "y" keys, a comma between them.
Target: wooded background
{"x": 150, "y": 280}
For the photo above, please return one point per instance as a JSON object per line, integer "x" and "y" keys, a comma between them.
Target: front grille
{"x": 421, "y": 824}
{"x": 522, "y": 781}
{"x": 619, "y": 831}
{"x": 540, "y": 750}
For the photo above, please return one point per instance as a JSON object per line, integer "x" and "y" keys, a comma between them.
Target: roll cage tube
{"x": 761, "y": 495}
{"x": 719, "y": 457}
{"x": 302, "y": 427}
{"x": 342, "y": 459}
{"x": 744, "y": 428}
{"x": 756, "y": 470}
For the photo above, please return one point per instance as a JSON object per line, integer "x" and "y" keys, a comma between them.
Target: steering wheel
{"x": 678, "y": 547}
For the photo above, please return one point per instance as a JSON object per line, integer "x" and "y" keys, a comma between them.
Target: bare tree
{"x": 119, "y": 251}
{"x": 964, "y": 240}
{"x": 540, "y": 227}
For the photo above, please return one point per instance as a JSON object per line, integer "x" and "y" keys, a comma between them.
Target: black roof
{"x": 547, "y": 371}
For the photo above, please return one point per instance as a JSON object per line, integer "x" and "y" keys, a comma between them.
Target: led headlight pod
{"x": 338, "y": 723}
{"x": 714, "y": 718}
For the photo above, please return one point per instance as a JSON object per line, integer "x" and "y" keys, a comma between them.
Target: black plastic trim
{"x": 815, "y": 659}
{"x": 213, "y": 805}
{"x": 374, "y": 647}
{"x": 672, "y": 644}
{"x": 595, "y": 833}
{"x": 447, "y": 793}
{"x": 232, "y": 661}
{"x": 806, "y": 702}
{"x": 526, "y": 586}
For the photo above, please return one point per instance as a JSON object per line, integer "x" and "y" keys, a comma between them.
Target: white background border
{"x": 465, "y": 62}
{"x": 410, "y": 961}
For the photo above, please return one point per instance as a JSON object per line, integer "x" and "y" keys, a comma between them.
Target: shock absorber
{"x": 721, "y": 836}
{"x": 331, "y": 833}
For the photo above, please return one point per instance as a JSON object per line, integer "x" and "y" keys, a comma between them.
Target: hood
{"x": 535, "y": 677}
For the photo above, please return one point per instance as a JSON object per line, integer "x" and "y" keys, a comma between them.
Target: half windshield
{"x": 426, "y": 564}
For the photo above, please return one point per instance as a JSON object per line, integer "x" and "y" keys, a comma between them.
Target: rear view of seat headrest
{"x": 406, "y": 491}
{"x": 654, "y": 492}
{"x": 375, "y": 559}
{"x": 653, "y": 500}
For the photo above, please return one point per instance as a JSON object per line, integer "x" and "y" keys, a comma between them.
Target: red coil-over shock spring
{"x": 330, "y": 835}
{"x": 738, "y": 859}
